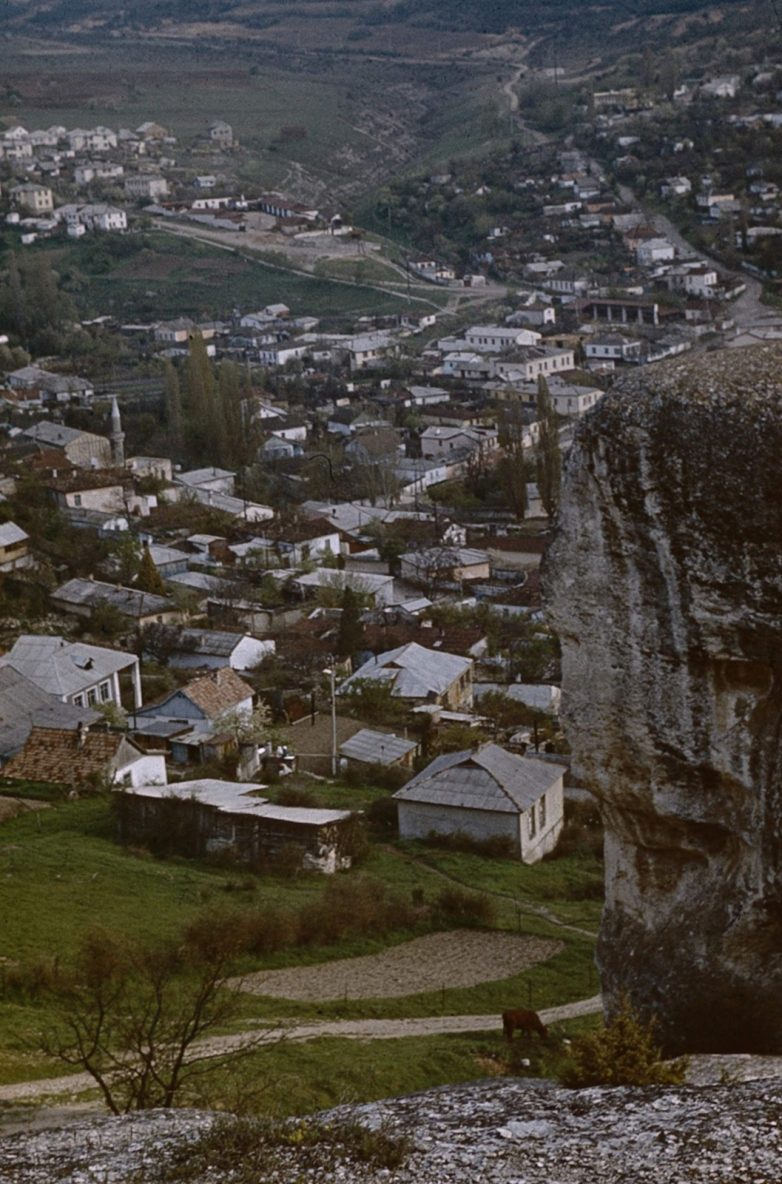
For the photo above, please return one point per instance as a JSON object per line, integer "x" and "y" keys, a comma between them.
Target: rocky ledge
{"x": 509, "y": 1131}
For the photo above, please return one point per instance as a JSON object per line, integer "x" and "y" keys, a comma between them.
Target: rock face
{"x": 665, "y": 585}
{"x": 511, "y": 1131}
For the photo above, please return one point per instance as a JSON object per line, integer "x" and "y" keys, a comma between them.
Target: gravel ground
{"x": 461, "y": 958}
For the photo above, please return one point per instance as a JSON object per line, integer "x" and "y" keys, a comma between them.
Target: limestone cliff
{"x": 665, "y": 585}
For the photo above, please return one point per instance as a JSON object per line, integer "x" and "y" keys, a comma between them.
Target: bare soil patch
{"x": 460, "y": 958}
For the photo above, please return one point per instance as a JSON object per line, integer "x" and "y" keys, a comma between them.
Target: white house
{"x": 486, "y": 793}
{"x": 84, "y": 675}
{"x": 210, "y": 648}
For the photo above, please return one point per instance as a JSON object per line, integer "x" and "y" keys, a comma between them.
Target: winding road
{"x": 397, "y": 1029}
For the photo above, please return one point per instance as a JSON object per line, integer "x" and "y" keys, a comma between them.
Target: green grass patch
{"x": 161, "y": 275}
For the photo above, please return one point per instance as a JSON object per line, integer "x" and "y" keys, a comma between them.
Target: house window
{"x": 77, "y": 499}
{"x": 531, "y": 823}
{"x": 92, "y": 696}
{"x": 542, "y": 812}
{"x": 78, "y": 700}
{"x": 105, "y": 692}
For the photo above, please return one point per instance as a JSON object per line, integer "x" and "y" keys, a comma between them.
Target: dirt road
{"x": 77, "y": 1083}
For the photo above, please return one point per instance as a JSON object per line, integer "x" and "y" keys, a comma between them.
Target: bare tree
{"x": 132, "y": 1016}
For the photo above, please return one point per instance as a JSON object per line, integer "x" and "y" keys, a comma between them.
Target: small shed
{"x": 369, "y": 747}
{"x": 486, "y": 793}
{"x": 209, "y": 817}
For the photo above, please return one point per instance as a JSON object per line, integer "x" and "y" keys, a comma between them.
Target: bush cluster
{"x": 253, "y": 1149}
{"x": 625, "y": 1052}
{"x": 494, "y": 847}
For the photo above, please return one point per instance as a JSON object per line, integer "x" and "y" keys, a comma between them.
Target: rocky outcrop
{"x": 519, "y": 1132}
{"x": 665, "y": 586}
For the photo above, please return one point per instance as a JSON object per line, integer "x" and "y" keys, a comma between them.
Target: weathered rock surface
{"x": 507, "y": 1131}
{"x": 665, "y": 585}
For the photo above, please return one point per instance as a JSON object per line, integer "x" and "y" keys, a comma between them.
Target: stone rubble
{"x": 503, "y": 1131}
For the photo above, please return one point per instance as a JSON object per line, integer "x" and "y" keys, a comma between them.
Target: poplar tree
{"x": 548, "y": 457}
{"x": 173, "y": 406}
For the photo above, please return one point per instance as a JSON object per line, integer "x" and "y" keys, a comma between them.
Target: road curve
{"x": 396, "y": 1029}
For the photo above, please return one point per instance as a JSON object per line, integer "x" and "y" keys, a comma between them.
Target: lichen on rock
{"x": 664, "y": 583}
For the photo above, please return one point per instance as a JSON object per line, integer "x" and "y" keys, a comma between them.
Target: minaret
{"x": 117, "y": 436}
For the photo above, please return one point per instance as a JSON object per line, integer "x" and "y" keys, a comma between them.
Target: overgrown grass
{"x": 62, "y": 873}
{"x": 171, "y": 275}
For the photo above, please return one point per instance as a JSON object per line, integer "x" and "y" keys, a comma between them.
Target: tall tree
{"x": 173, "y": 408}
{"x": 351, "y": 631}
{"x": 149, "y": 578}
{"x": 548, "y": 457}
{"x": 511, "y": 468}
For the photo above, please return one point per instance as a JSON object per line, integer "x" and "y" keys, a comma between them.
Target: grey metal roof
{"x": 233, "y": 798}
{"x": 129, "y": 601}
{"x": 63, "y": 667}
{"x": 413, "y": 671}
{"x": 488, "y": 778}
{"x": 11, "y": 533}
{"x": 23, "y": 705}
{"x": 209, "y": 641}
{"x": 56, "y": 435}
{"x": 376, "y": 748}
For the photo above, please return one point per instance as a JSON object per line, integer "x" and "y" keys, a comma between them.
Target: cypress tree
{"x": 548, "y": 457}
{"x": 149, "y": 578}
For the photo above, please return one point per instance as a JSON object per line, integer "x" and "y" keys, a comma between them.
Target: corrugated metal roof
{"x": 63, "y": 667}
{"x": 488, "y": 778}
{"x": 11, "y": 533}
{"x": 232, "y": 798}
{"x": 414, "y": 671}
{"x": 377, "y": 748}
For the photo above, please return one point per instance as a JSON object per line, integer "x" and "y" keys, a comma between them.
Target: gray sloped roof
{"x": 413, "y": 671}
{"x": 62, "y": 667}
{"x": 23, "y": 704}
{"x": 218, "y": 643}
{"x": 376, "y": 748}
{"x": 488, "y": 778}
{"x": 131, "y": 602}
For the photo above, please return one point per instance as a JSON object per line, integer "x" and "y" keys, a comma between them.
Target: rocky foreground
{"x": 513, "y": 1131}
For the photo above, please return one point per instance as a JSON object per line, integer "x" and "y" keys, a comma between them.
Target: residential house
{"x": 203, "y": 700}
{"x": 84, "y": 758}
{"x": 499, "y": 337}
{"x": 55, "y": 388}
{"x": 23, "y": 704}
{"x": 209, "y": 648}
{"x": 221, "y": 133}
{"x": 14, "y": 552}
{"x": 229, "y": 819}
{"x": 151, "y": 185}
{"x": 36, "y": 199}
{"x": 486, "y": 793}
{"x": 74, "y": 672}
{"x": 82, "y": 597}
{"x": 85, "y": 450}
{"x": 368, "y": 747}
{"x": 613, "y": 347}
{"x": 654, "y": 250}
{"x": 438, "y": 566}
{"x": 441, "y": 442}
{"x": 418, "y": 675}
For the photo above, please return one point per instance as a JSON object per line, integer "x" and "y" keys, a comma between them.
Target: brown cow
{"x": 526, "y": 1021}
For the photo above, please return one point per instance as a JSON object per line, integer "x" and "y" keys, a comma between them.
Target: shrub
{"x": 454, "y": 906}
{"x": 382, "y": 815}
{"x": 495, "y": 847}
{"x": 251, "y": 1149}
{"x": 582, "y": 833}
{"x": 624, "y": 1052}
{"x": 289, "y": 795}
